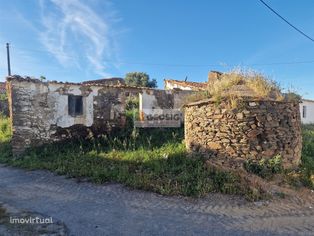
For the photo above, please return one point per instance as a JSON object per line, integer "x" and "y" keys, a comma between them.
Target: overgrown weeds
{"x": 3, "y": 96}
{"x": 149, "y": 159}
{"x": 5, "y": 137}
{"x": 265, "y": 168}
{"x": 307, "y": 161}
{"x": 241, "y": 83}
{"x": 5, "y": 129}
{"x": 166, "y": 169}
{"x": 238, "y": 84}
{"x": 197, "y": 96}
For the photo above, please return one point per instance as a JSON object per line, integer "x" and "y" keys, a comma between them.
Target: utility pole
{"x": 8, "y": 58}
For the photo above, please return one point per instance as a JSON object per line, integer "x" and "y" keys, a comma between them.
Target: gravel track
{"x": 89, "y": 209}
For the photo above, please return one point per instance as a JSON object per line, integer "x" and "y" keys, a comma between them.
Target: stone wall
{"x": 260, "y": 129}
{"x": 39, "y": 110}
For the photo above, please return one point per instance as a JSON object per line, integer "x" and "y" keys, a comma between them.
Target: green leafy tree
{"x": 43, "y": 78}
{"x": 140, "y": 79}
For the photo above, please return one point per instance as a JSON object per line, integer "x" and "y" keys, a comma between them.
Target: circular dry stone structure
{"x": 255, "y": 130}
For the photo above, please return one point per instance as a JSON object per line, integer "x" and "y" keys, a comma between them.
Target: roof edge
{"x": 307, "y": 100}
{"x": 38, "y": 81}
{"x": 248, "y": 99}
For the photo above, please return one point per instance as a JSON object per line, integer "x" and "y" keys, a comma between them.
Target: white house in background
{"x": 307, "y": 111}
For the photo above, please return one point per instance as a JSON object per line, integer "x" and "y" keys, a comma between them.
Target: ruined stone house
{"x": 191, "y": 86}
{"x": 50, "y": 111}
{"x": 106, "y": 81}
{"x": 45, "y": 112}
{"x": 184, "y": 85}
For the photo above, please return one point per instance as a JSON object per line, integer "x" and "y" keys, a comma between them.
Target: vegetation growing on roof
{"x": 252, "y": 83}
{"x": 238, "y": 84}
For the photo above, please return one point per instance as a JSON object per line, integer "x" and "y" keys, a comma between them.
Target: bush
{"x": 132, "y": 103}
{"x": 265, "y": 168}
{"x": 5, "y": 137}
{"x": 307, "y": 160}
{"x": 3, "y": 96}
{"x": 5, "y": 129}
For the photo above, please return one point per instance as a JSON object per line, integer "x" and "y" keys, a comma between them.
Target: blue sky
{"x": 77, "y": 40}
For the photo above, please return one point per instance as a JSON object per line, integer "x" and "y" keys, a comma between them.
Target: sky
{"x": 78, "y": 40}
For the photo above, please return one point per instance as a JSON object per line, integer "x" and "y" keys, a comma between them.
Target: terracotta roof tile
{"x": 307, "y": 100}
{"x": 86, "y": 83}
{"x": 199, "y": 85}
{"x": 114, "y": 80}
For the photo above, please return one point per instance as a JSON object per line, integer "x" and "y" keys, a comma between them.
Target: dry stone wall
{"x": 260, "y": 129}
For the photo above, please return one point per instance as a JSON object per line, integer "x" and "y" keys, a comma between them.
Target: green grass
{"x": 148, "y": 159}
{"x": 303, "y": 176}
{"x": 5, "y": 129}
{"x": 166, "y": 169}
{"x": 265, "y": 168}
{"x": 3, "y": 96}
{"x": 307, "y": 164}
{"x": 5, "y": 137}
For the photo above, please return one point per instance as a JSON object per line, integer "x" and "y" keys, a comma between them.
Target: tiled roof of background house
{"x": 106, "y": 81}
{"x": 307, "y": 100}
{"x": 198, "y": 85}
{"x": 85, "y": 83}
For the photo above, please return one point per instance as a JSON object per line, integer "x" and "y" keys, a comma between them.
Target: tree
{"x": 43, "y": 78}
{"x": 140, "y": 79}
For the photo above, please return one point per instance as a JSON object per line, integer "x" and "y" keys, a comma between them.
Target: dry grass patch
{"x": 197, "y": 96}
{"x": 241, "y": 83}
{"x": 238, "y": 84}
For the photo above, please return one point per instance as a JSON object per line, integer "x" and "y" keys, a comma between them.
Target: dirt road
{"x": 89, "y": 209}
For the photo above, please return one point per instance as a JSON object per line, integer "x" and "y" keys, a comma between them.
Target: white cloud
{"x": 74, "y": 32}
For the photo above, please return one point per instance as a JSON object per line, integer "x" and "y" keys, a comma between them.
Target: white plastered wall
{"x": 309, "y": 116}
